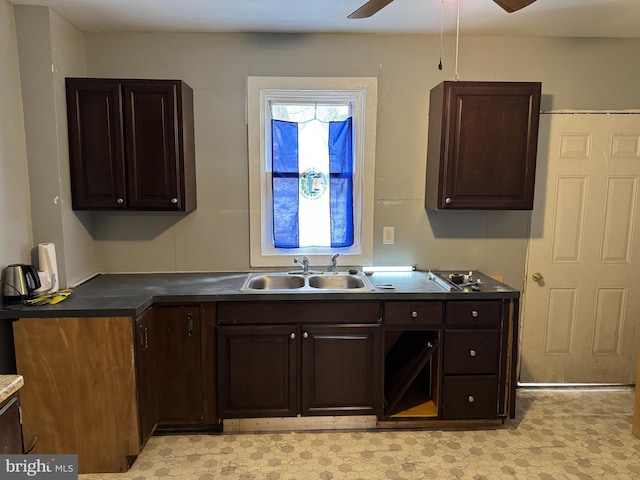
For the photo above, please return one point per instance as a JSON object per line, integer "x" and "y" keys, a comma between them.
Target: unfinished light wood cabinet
{"x": 131, "y": 144}
{"x": 482, "y": 148}
{"x": 81, "y": 391}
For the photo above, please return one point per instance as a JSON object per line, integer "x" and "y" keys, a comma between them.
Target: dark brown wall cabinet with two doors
{"x": 483, "y": 140}
{"x": 131, "y": 144}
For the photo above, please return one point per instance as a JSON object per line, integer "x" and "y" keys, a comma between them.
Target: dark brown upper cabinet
{"x": 482, "y": 145}
{"x": 131, "y": 144}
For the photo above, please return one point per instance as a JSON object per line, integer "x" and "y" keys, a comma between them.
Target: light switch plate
{"x": 388, "y": 235}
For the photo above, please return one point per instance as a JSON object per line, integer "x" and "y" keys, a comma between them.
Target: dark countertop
{"x": 130, "y": 294}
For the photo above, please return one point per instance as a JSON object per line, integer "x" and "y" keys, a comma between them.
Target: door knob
{"x": 537, "y": 277}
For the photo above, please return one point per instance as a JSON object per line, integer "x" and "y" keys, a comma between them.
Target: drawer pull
{"x": 305, "y": 335}
{"x": 474, "y": 313}
{"x": 472, "y": 353}
{"x": 293, "y": 335}
{"x": 414, "y": 314}
{"x": 471, "y": 399}
{"x": 190, "y": 325}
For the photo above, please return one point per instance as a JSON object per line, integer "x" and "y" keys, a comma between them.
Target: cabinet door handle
{"x": 472, "y": 353}
{"x": 293, "y": 335}
{"x": 120, "y": 201}
{"x": 471, "y": 399}
{"x": 305, "y": 335}
{"x": 174, "y": 200}
{"x": 190, "y": 325}
{"x": 144, "y": 336}
{"x": 414, "y": 314}
{"x": 474, "y": 313}
{"x": 447, "y": 200}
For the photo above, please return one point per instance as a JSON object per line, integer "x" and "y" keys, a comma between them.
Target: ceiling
{"x": 570, "y": 18}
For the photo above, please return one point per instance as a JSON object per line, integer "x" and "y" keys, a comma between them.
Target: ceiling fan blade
{"x": 513, "y": 5}
{"x": 369, "y": 8}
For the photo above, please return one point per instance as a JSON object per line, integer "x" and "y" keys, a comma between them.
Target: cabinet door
{"x": 85, "y": 400}
{"x": 341, "y": 370}
{"x": 10, "y": 428}
{"x": 257, "y": 371}
{"x": 147, "y": 374}
{"x": 179, "y": 364}
{"x": 482, "y": 145}
{"x": 151, "y": 123}
{"x": 96, "y": 147}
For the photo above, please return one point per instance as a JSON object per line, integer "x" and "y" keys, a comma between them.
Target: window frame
{"x": 362, "y": 91}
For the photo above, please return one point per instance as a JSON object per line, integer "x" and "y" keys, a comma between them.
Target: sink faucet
{"x": 333, "y": 263}
{"x": 304, "y": 263}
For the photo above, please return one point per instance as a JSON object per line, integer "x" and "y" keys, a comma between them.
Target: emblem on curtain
{"x": 313, "y": 184}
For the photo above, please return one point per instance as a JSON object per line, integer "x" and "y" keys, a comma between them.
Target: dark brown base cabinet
{"x": 479, "y": 359}
{"x": 278, "y": 370}
{"x": 258, "y": 371}
{"x": 429, "y": 360}
{"x": 451, "y": 360}
{"x": 10, "y": 427}
{"x": 340, "y": 370}
{"x": 146, "y": 357}
{"x": 446, "y": 361}
{"x": 179, "y": 365}
{"x": 412, "y": 359}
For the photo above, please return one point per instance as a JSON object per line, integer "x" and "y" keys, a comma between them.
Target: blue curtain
{"x": 286, "y": 183}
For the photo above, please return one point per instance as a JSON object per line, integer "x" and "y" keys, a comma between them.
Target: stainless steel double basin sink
{"x": 310, "y": 282}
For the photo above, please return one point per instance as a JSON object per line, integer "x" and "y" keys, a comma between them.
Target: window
{"x": 311, "y": 169}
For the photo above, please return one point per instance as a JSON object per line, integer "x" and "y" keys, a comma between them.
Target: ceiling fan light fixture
{"x": 374, "y": 6}
{"x": 513, "y": 5}
{"x": 370, "y": 8}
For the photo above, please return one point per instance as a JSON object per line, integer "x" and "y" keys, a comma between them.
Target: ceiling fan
{"x": 374, "y": 6}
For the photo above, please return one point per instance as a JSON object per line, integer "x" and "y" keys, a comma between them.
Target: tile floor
{"x": 557, "y": 434}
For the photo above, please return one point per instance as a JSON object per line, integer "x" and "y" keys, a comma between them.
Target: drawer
{"x": 283, "y": 312}
{"x": 475, "y": 351}
{"x": 480, "y": 313}
{"x": 470, "y": 397}
{"x": 413, "y": 313}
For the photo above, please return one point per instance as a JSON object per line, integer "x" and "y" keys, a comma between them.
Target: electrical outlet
{"x": 388, "y": 235}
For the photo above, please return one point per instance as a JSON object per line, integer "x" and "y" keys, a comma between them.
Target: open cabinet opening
{"x": 411, "y": 373}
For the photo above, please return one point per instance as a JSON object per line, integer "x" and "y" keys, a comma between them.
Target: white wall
{"x": 16, "y": 238}
{"x": 15, "y": 210}
{"x": 50, "y": 49}
{"x": 575, "y": 73}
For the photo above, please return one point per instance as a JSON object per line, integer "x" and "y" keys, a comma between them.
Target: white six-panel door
{"x": 581, "y": 303}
